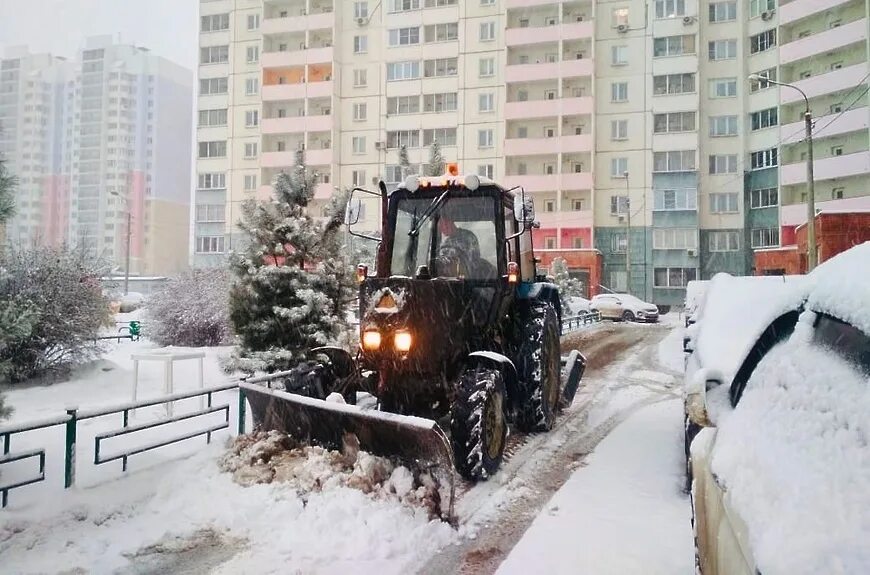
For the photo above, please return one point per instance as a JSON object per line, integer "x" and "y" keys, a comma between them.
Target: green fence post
{"x": 69, "y": 477}
{"x": 242, "y": 409}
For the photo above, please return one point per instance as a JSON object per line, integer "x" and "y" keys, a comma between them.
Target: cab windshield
{"x": 456, "y": 240}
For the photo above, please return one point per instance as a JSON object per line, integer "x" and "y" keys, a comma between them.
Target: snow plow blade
{"x": 574, "y": 366}
{"x": 419, "y": 443}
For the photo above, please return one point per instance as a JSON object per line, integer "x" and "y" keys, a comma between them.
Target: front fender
{"x": 499, "y": 362}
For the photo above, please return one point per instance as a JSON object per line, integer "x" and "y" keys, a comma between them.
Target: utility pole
{"x": 627, "y": 236}
{"x": 127, "y": 264}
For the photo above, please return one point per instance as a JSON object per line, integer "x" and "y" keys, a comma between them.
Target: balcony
{"x": 826, "y": 169}
{"x": 549, "y": 70}
{"x": 837, "y": 80}
{"x": 827, "y": 41}
{"x": 279, "y": 92}
{"x": 798, "y": 9}
{"x": 796, "y": 214}
{"x": 321, "y": 192}
{"x": 549, "y": 108}
{"x": 543, "y": 34}
{"x": 287, "y": 159}
{"x": 565, "y": 219}
{"x": 531, "y": 146}
{"x": 511, "y": 4}
{"x": 851, "y": 121}
{"x": 551, "y": 183}
{"x": 296, "y": 57}
{"x": 297, "y": 23}
{"x": 575, "y": 143}
{"x": 297, "y": 124}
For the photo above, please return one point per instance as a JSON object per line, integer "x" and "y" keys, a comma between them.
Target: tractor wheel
{"x": 627, "y": 316}
{"x": 539, "y": 368}
{"x": 478, "y": 427}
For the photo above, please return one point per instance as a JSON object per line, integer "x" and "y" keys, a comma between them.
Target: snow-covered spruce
{"x": 269, "y": 457}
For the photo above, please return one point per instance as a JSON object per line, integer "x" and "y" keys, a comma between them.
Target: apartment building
{"x": 652, "y": 157}
{"x": 94, "y": 139}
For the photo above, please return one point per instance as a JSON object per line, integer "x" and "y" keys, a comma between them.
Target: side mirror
{"x": 524, "y": 208}
{"x": 697, "y": 405}
{"x": 353, "y": 211}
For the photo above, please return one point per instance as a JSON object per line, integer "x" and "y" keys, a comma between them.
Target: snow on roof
{"x": 736, "y": 311}
{"x": 841, "y": 287}
{"x": 795, "y": 460}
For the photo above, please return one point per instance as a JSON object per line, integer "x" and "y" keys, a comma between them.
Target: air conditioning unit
{"x": 622, "y": 28}
{"x": 691, "y": 253}
{"x": 379, "y": 145}
{"x": 688, "y": 20}
{"x": 767, "y": 15}
{"x": 360, "y": 21}
{"x": 375, "y": 180}
{"x": 327, "y": 78}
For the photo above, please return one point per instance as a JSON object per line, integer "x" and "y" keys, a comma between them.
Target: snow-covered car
{"x": 621, "y": 306}
{"x": 782, "y": 463}
{"x": 577, "y": 305}
{"x": 695, "y": 290}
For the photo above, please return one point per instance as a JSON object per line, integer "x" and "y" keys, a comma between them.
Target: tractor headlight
{"x": 403, "y": 341}
{"x": 371, "y": 340}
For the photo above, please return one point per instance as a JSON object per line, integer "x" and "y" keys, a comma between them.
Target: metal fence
{"x": 74, "y": 416}
{"x": 579, "y": 320}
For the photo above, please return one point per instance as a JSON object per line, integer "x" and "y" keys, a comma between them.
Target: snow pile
{"x": 795, "y": 459}
{"x": 266, "y": 457}
{"x": 841, "y": 287}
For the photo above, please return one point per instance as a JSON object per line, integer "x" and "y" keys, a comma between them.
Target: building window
{"x": 619, "y": 92}
{"x": 674, "y": 122}
{"x": 444, "y": 136}
{"x": 252, "y": 118}
{"x": 619, "y": 280}
{"x": 441, "y": 32}
{"x": 672, "y": 200}
{"x": 360, "y": 10}
{"x": 250, "y": 182}
{"x": 213, "y": 23}
{"x": 487, "y": 67}
{"x": 618, "y": 243}
{"x": 619, "y": 129}
{"x": 723, "y": 126}
{"x": 674, "y": 277}
{"x": 763, "y": 119}
{"x": 253, "y": 21}
{"x": 212, "y": 181}
{"x": 764, "y": 159}
{"x": 210, "y": 244}
{"x": 722, "y": 49}
{"x": 360, "y": 44}
{"x": 618, "y": 205}
{"x": 399, "y": 105}
{"x": 403, "y": 5}
{"x": 675, "y": 239}
{"x": 211, "y": 86}
{"x": 619, "y": 55}
{"x": 359, "y": 144}
{"x": 676, "y": 161}
{"x": 253, "y": 53}
{"x": 213, "y": 149}
{"x": 486, "y": 102}
{"x": 619, "y": 17}
{"x": 360, "y": 111}
{"x": 723, "y": 164}
{"x": 756, "y": 7}
{"x": 485, "y": 138}
{"x": 440, "y": 3}
{"x": 763, "y": 198}
{"x": 618, "y": 167}
{"x": 837, "y": 193}
{"x": 577, "y": 205}
{"x": 214, "y": 55}
{"x": 358, "y": 178}
{"x": 673, "y": 46}
{"x": 550, "y": 243}
{"x": 251, "y": 150}
{"x": 487, "y": 31}
{"x": 446, "y": 102}
{"x": 723, "y": 87}
{"x": 440, "y": 67}
{"x": 211, "y": 118}
{"x": 408, "y": 70}
{"x": 763, "y": 41}
{"x": 360, "y": 78}
{"x": 670, "y": 8}
{"x": 673, "y": 84}
{"x": 407, "y": 138}
{"x": 722, "y": 241}
{"x": 765, "y": 237}
{"x": 549, "y": 206}
{"x": 404, "y": 36}
{"x": 252, "y": 86}
{"x": 724, "y": 203}
{"x": 723, "y": 11}
{"x": 761, "y": 84}
{"x": 486, "y": 170}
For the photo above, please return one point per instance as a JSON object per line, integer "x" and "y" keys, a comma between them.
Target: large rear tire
{"x": 539, "y": 367}
{"x": 478, "y": 427}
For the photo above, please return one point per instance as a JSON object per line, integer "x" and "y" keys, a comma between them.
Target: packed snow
{"x": 794, "y": 458}
{"x": 841, "y": 287}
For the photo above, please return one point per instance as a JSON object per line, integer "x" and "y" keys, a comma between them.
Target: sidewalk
{"x": 623, "y": 513}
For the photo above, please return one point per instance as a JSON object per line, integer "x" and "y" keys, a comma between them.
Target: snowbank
{"x": 794, "y": 458}
{"x": 841, "y": 287}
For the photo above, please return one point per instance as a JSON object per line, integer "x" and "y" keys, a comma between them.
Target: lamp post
{"x": 811, "y": 188}
{"x": 627, "y": 235}
{"x": 129, "y": 231}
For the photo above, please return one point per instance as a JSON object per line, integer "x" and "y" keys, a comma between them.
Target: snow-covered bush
{"x": 191, "y": 310}
{"x": 568, "y": 287}
{"x": 53, "y": 308}
{"x": 291, "y": 283}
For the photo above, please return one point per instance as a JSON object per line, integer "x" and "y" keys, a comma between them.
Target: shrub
{"x": 53, "y": 308}
{"x": 191, "y": 310}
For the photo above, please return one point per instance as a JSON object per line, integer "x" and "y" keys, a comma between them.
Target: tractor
{"x": 458, "y": 332}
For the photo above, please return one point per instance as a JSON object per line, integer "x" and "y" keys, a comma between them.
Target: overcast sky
{"x": 167, "y": 27}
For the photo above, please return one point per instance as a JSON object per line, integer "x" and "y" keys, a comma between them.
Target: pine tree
{"x": 292, "y": 286}
{"x": 11, "y": 324}
{"x": 568, "y": 287}
{"x": 8, "y": 183}
{"x": 436, "y": 161}
{"x": 404, "y": 163}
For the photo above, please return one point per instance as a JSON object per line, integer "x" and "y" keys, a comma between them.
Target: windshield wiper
{"x": 436, "y": 203}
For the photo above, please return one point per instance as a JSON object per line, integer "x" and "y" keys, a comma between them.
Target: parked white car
{"x": 782, "y": 463}
{"x": 625, "y": 307}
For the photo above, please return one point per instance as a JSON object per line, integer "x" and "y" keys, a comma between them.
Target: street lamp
{"x": 811, "y": 188}
{"x": 627, "y": 235}
{"x": 129, "y": 230}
